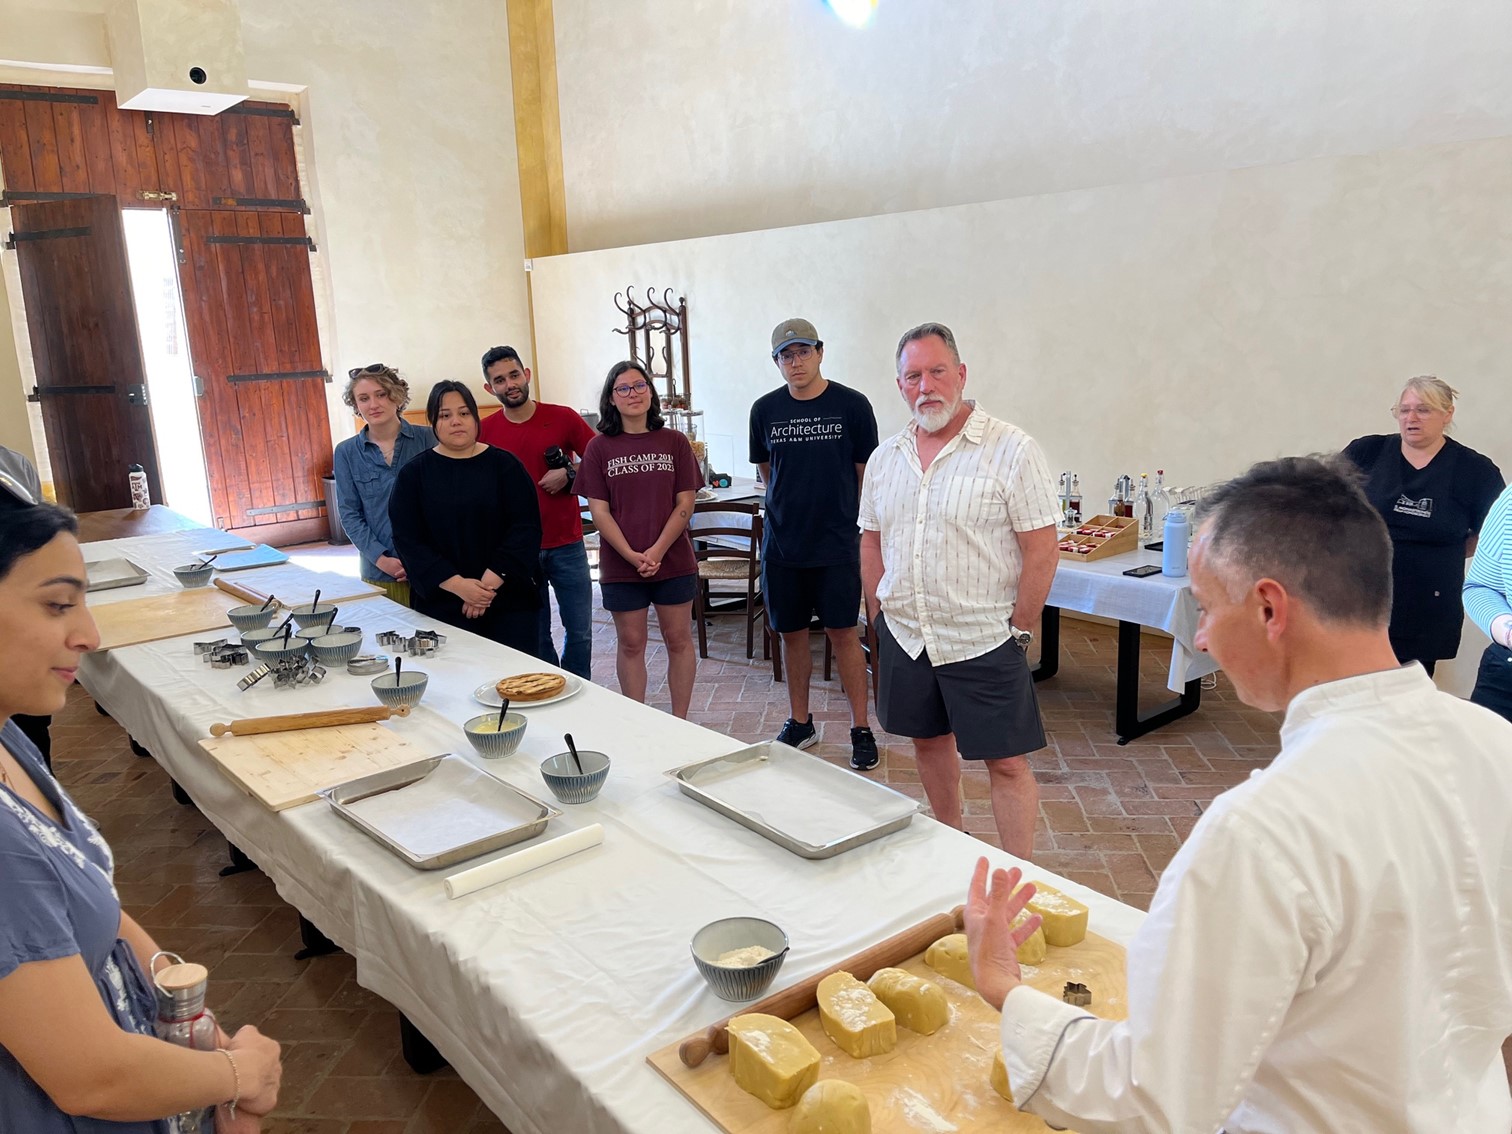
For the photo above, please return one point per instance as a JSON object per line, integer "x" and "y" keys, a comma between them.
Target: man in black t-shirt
{"x": 811, "y": 440}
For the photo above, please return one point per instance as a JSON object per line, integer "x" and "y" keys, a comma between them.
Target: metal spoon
{"x": 571, "y": 747}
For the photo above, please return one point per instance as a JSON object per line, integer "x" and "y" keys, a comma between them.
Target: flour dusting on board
{"x": 920, "y": 1114}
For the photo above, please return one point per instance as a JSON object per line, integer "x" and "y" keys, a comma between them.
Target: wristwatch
{"x": 1022, "y": 638}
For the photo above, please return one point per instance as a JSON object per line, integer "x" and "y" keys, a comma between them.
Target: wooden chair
{"x": 729, "y": 552}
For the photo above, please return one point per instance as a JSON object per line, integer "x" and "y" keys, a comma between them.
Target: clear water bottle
{"x": 182, "y": 1018}
{"x": 1173, "y": 556}
{"x": 139, "y": 497}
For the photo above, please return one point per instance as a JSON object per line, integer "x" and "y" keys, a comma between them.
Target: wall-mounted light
{"x": 856, "y": 13}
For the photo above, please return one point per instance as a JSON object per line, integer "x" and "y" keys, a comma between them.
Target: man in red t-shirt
{"x": 547, "y": 439}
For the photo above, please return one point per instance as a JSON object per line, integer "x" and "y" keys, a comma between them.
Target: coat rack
{"x": 654, "y": 327}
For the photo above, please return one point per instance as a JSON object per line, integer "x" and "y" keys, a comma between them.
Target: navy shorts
{"x": 651, "y": 592}
{"x": 988, "y": 701}
{"x": 1493, "y": 683}
{"x": 794, "y": 595}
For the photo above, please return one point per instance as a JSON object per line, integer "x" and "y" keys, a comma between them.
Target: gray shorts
{"x": 987, "y": 701}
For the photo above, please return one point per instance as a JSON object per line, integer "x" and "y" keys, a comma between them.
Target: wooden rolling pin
{"x": 801, "y": 997}
{"x": 326, "y": 718}
{"x": 242, "y": 591}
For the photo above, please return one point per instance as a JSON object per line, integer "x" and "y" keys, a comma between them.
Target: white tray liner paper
{"x": 453, "y": 806}
{"x": 801, "y": 796}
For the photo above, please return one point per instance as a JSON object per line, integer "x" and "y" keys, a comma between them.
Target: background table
{"x": 547, "y": 992}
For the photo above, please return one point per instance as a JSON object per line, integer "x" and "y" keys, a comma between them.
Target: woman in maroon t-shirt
{"x": 640, "y": 480}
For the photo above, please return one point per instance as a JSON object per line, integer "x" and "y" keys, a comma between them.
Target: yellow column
{"x": 538, "y": 131}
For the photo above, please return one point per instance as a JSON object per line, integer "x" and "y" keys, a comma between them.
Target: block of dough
{"x": 949, "y": 958}
{"x": 920, "y": 1005}
{"x": 852, "y": 1016}
{"x": 1031, "y": 952}
{"x": 771, "y": 1059}
{"x": 999, "y": 1077}
{"x": 1063, "y": 919}
{"x": 832, "y": 1106}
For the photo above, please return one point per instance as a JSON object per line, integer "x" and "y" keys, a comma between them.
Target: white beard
{"x": 934, "y": 419}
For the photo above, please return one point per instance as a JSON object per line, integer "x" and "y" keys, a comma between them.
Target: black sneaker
{"x": 799, "y": 735}
{"x": 863, "y": 749}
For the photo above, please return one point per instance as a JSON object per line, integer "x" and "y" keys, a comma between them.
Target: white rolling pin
{"x": 464, "y": 882}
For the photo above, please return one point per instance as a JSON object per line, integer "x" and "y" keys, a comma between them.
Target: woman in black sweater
{"x": 467, "y": 527}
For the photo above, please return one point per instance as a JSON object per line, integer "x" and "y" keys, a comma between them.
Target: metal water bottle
{"x": 182, "y": 1018}
{"x": 1173, "y": 557}
{"x": 139, "y": 497}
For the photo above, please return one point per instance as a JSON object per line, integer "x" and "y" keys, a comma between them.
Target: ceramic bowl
{"x": 306, "y": 615}
{"x": 570, "y": 786}
{"x": 194, "y": 574}
{"x": 738, "y": 982}
{"x": 395, "y": 689}
{"x": 251, "y": 617}
{"x": 484, "y": 735}
{"x": 336, "y": 649}
{"x": 274, "y": 650}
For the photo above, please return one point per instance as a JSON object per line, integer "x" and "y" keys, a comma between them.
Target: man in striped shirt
{"x": 957, "y": 553}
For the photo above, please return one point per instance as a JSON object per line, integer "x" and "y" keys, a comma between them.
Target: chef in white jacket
{"x": 1332, "y": 948}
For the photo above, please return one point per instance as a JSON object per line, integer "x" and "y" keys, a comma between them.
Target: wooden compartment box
{"x": 1100, "y": 537}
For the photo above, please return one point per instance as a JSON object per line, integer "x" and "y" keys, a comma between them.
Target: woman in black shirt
{"x": 1434, "y": 494}
{"x": 467, "y": 527}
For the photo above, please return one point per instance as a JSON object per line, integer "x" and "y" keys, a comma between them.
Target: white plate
{"x": 705, "y": 495}
{"x": 488, "y": 694}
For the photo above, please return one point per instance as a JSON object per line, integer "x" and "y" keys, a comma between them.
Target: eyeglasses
{"x": 1413, "y": 411}
{"x": 370, "y": 368}
{"x": 797, "y": 353}
{"x": 632, "y": 388}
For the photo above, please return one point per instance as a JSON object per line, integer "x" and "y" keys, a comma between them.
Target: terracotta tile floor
{"x": 1111, "y": 817}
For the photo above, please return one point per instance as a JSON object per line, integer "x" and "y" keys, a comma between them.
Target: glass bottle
{"x": 1144, "y": 508}
{"x": 182, "y": 1018}
{"x": 138, "y": 478}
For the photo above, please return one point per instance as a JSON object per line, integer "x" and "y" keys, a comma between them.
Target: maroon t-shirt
{"x": 561, "y": 516}
{"x": 640, "y": 475}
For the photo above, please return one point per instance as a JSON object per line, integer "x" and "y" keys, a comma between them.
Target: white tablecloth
{"x": 1102, "y": 588}
{"x": 545, "y": 992}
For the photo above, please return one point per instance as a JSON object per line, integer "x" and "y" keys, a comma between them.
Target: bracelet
{"x": 235, "y": 1080}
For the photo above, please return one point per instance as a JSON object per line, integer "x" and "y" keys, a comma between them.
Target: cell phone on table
{"x": 1144, "y": 570}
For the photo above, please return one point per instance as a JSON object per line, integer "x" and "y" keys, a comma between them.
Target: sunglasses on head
{"x": 370, "y": 368}
{"x": 13, "y": 492}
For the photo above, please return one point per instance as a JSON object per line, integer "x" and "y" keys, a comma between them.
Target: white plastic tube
{"x": 475, "y": 878}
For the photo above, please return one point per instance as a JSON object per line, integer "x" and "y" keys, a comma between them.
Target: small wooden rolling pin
{"x": 242, "y": 591}
{"x": 801, "y": 997}
{"x": 326, "y": 718}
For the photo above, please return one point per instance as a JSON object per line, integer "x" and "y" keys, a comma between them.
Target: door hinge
{"x": 136, "y": 394}
{"x": 198, "y": 385}
{"x": 34, "y": 396}
{"x": 155, "y": 195}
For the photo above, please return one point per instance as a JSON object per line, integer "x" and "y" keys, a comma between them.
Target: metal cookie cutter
{"x": 253, "y": 677}
{"x": 367, "y": 665}
{"x": 228, "y": 657}
{"x": 210, "y": 647}
{"x": 1077, "y": 994}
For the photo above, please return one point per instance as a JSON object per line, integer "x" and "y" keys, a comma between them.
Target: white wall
{"x": 408, "y": 129}
{"x": 685, "y": 118}
{"x": 1196, "y": 324}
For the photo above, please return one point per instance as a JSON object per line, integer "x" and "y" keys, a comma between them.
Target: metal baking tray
{"x": 439, "y": 811}
{"x": 802, "y": 803}
{"x": 107, "y": 574}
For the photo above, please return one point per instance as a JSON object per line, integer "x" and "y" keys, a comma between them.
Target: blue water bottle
{"x": 1173, "y": 557}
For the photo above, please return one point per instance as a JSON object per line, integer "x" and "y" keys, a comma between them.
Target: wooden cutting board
{"x": 927, "y": 1084}
{"x": 156, "y": 617}
{"x": 285, "y": 769}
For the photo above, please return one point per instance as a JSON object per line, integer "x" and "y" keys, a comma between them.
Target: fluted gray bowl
{"x": 395, "y": 689}
{"x": 495, "y": 744}
{"x": 738, "y": 982}
{"x": 194, "y": 574}
{"x": 307, "y": 615}
{"x": 336, "y": 649}
{"x": 274, "y": 651}
{"x": 251, "y": 617}
{"x": 254, "y": 638}
{"x": 567, "y": 784}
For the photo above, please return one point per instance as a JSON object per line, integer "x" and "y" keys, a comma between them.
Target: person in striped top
{"x": 1487, "y": 604}
{"x": 957, "y": 553}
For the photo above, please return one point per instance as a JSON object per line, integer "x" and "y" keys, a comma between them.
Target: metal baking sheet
{"x": 801, "y": 803}
{"x": 439, "y": 811}
{"x": 107, "y": 574}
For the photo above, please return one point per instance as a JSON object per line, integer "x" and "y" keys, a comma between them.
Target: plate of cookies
{"x": 526, "y": 690}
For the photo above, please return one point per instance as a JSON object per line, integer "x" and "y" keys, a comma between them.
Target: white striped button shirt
{"x": 950, "y": 559}
{"x": 1488, "y": 582}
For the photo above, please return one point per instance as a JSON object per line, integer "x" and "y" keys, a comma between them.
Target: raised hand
{"x": 991, "y": 937}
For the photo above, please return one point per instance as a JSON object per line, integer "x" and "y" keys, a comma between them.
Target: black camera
{"x": 556, "y": 459}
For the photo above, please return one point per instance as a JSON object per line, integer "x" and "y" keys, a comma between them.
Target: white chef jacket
{"x": 949, "y": 534}
{"x": 1330, "y": 951}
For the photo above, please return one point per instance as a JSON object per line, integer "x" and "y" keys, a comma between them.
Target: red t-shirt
{"x": 561, "y": 514}
{"x": 640, "y": 475}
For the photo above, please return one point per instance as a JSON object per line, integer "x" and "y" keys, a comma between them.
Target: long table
{"x": 546, "y": 992}
{"x": 1101, "y": 588}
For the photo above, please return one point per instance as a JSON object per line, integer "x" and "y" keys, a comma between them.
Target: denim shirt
{"x": 363, "y": 484}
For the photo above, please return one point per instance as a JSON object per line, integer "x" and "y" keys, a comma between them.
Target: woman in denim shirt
{"x": 366, "y": 466}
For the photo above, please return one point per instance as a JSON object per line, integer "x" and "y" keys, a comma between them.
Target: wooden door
{"x": 88, "y": 358}
{"x": 249, "y": 308}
